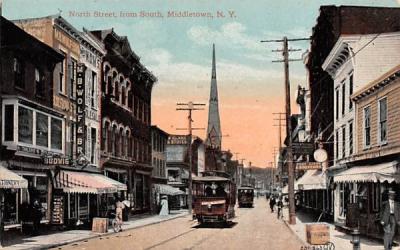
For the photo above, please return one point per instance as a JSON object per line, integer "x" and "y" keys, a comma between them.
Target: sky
{"x": 178, "y": 50}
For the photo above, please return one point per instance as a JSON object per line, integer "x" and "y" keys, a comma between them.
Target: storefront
{"x": 174, "y": 195}
{"x": 11, "y": 186}
{"x": 361, "y": 191}
{"x": 80, "y": 196}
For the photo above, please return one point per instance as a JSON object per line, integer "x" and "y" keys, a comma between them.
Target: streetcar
{"x": 245, "y": 196}
{"x": 214, "y": 197}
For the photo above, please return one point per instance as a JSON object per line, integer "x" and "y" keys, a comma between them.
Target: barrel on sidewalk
{"x": 317, "y": 233}
{"x": 100, "y": 225}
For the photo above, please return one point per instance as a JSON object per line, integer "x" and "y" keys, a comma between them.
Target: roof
{"x": 382, "y": 172}
{"x": 382, "y": 81}
{"x": 9, "y": 179}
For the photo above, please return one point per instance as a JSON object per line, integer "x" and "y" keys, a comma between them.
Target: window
{"x": 116, "y": 91}
{"x": 343, "y": 141}
{"x": 42, "y": 130}
{"x": 61, "y": 79}
{"x": 337, "y": 103}
{"x": 93, "y": 90}
{"x": 72, "y": 76}
{"x": 130, "y": 99}
{"x": 367, "y": 126}
{"x": 71, "y": 138}
{"x": 39, "y": 83}
{"x": 19, "y": 73}
{"x": 9, "y": 122}
{"x": 343, "y": 97}
{"x": 375, "y": 196}
{"x": 56, "y": 134}
{"x": 114, "y": 139}
{"x": 25, "y": 125}
{"x": 123, "y": 96}
{"x": 351, "y": 86}
{"x": 350, "y": 138}
{"x": 104, "y": 136}
{"x": 337, "y": 144}
{"x": 383, "y": 120}
{"x": 93, "y": 135}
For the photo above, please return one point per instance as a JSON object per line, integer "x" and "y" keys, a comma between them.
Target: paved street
{"x": 253, "y": 228}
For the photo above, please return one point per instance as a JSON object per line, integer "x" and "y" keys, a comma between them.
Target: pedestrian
{"x": 37, "y": 216}
{"x": 279, "y": 206}
{"x": 389, "y": 218}
{"x": 272, "y": 203}
{"x": 164, "y": 206}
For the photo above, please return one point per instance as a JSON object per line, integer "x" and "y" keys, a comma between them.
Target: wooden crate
{"x": 317, "y": 233}
{"x": 100, "y": 225}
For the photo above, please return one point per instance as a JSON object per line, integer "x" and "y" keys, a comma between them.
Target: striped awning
{"x": 312, "y": 180}
{"x": 386, "y": 171}
{"x": 84, "y": 182}
{"x": 9, "y": 179}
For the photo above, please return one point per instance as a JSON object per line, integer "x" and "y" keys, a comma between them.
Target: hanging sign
{"x": 80, "y": 109}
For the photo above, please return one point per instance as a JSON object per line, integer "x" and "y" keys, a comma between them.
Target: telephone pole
{"x": 190, "y": 107}
{"x": 279, "y": 119}
{"x": 291, "y": 167}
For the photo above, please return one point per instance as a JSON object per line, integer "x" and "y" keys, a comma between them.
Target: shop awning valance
{"x": 382, "y": 172}
{"x": 167, "y": 189}
{"x": 83, "y": 182}
{"x": 9, "y": 179}
{"x": 312, "y": 180}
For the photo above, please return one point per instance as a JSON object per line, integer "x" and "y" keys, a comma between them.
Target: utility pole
{"x": 279, "y": 119}
{"x": 190, "y": 107}
{"x": 291, "y": 167}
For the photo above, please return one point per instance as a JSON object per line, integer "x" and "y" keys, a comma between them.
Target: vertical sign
{"x": 80, "y": 109}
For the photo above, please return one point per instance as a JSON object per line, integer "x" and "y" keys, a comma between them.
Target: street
{"x": 253, "y": 228}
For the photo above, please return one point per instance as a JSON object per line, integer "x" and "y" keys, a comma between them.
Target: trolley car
{"x": 214, "y": 197}
{"x": 245, "y": 196}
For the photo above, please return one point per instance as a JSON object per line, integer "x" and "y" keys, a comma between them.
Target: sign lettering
{"x": 80, "y": 109}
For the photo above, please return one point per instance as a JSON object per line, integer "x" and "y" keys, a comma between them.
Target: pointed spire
{"x": 214, "y": 71}
{"x": 214, "y": 126}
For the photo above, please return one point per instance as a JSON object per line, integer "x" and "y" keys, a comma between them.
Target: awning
{"x": 9, "y": 179}
{"x": 382, "y": 172}
{"x": 83, "y": 182}
{"x": 312, "y": 180}
{"x": 167, "y": 189}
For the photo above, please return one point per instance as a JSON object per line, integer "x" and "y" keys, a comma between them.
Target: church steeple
{"x": 214, "y": 126}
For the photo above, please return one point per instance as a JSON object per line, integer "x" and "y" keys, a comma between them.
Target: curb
{"x": 294, "y": 233}
{"x": 101, "y": 235}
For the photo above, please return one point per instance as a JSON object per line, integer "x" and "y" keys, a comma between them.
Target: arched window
{"x": 105, "y": 136}
{"x": 106, "y": 81}
{"x": 114, "y": 139}
{"x": 126, "y": 143}
{"x": 123, "y": 96}
{"x": 130, "y": 99}
{"x": 116, "y": 91}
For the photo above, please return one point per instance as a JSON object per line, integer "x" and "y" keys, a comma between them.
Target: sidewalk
{"x": 339, "y": 239}
{"x": 66, "y": 237}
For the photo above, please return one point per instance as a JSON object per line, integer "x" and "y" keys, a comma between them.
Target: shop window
{"x": 56, "y": 134}
{"x": 375, "y": 194}
{"x": 25, "y": 125}
{"x": 383, "y": 120}
{"x": 19, "y": 73}
{"x": 9, "y": 122}
{"x": 42, "y": 130}
{"x": 10, "y": 207}
{"x": 39, "y": 83}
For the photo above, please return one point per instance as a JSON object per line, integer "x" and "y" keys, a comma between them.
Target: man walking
{"x": 390, "y": 217}
{"x": 272, "y": 203}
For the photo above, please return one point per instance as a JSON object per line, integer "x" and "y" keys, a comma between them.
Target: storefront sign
{"x": 29, "y": 150}
{"x": 303, "y": 148}
{"x": 58, "y": 210}
{"x": 308, "y": 165}
{"x": 80, "y": 109}
{"x": 56, "y": 160}
{"x": 177, "y": 140}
